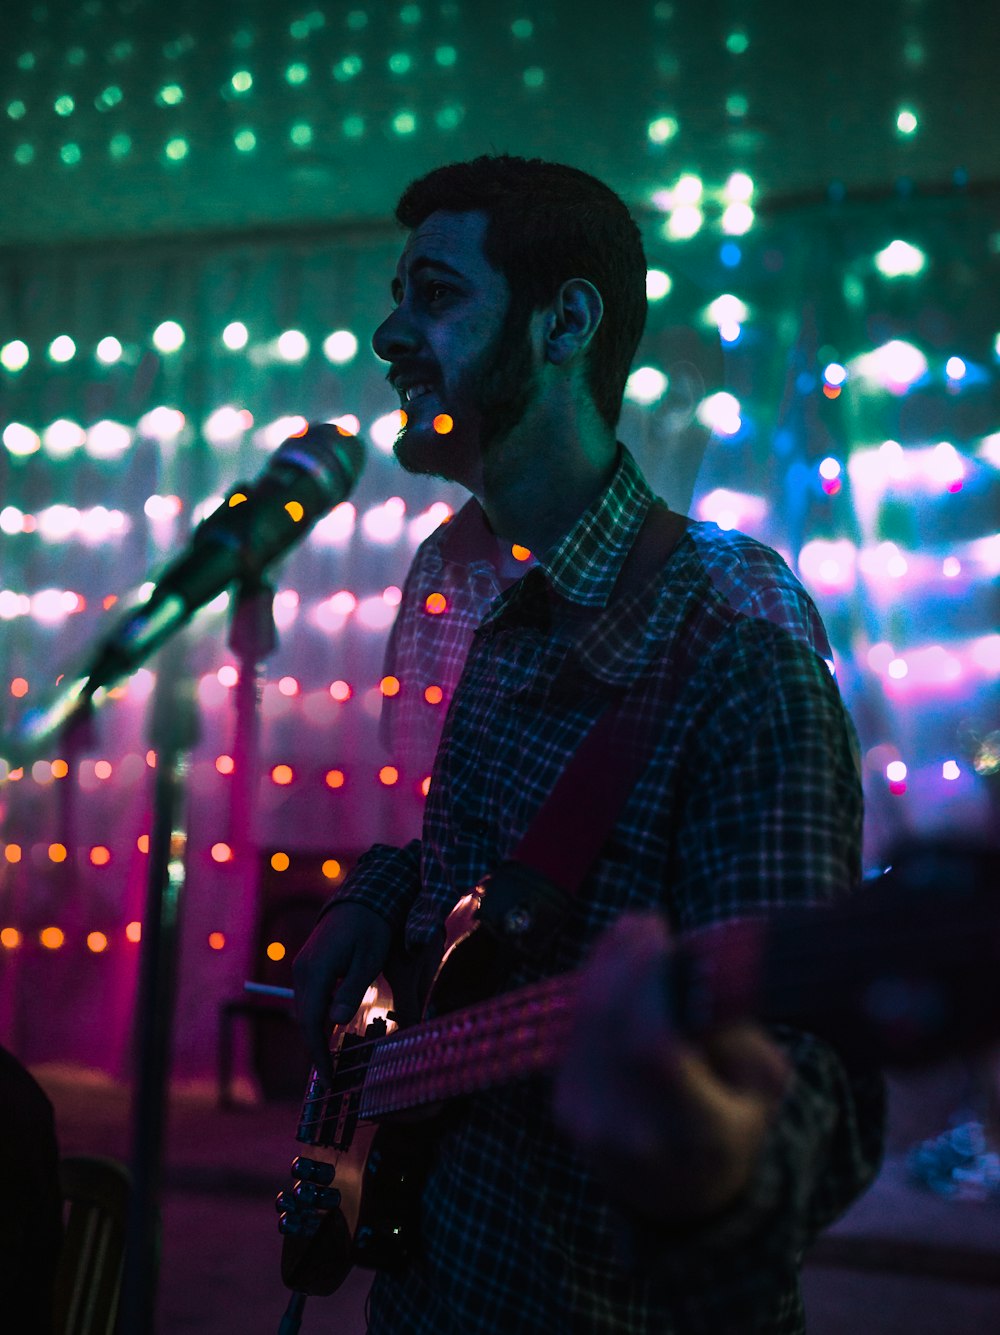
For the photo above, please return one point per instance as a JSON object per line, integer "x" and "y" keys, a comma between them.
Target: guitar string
{"x": 494, "y": 1021}
{"x": 473, "y": 1067}
{"x": 797, "y": 957}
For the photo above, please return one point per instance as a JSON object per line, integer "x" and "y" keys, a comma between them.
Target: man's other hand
{"x": 674, "y": 1127}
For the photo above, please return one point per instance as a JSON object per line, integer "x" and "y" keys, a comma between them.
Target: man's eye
{"x": 434, "y": 291}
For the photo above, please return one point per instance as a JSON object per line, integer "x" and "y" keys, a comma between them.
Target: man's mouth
{"x": 417, "y": 392}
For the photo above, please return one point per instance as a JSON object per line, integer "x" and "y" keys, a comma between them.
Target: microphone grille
{"x": 334, "y": 458}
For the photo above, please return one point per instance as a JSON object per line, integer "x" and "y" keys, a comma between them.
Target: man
{"x": 668, "y": 1185}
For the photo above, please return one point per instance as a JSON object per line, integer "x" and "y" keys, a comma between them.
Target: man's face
{"x": 456, "y": 350}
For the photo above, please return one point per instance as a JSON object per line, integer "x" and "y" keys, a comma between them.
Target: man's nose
{"x": 394, "y": 337}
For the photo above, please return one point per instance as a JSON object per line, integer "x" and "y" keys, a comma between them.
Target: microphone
{"x": 257, "y": 522}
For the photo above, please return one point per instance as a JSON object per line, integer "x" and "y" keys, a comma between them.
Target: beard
{"x": 490, "y": 399}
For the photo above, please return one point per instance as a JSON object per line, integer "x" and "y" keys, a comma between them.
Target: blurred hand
{"x": 343, "y": 956}
{"x": 674, "y": 1127}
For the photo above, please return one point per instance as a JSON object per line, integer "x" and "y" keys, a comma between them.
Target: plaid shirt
{"x": 751, "y": 802}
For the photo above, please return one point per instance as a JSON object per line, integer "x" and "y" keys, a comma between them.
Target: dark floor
{"x": 903, "y": 1262}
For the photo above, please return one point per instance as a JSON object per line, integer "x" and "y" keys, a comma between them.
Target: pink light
{"x": 985, "y": 654}
{"x": 338, "y": 526}
{"x": 828, "y": 566}
{"x": 425, "y": 524}
{"x": 342, "y": 603}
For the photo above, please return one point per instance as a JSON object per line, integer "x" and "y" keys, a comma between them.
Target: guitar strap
{"x": 527, "y": 896}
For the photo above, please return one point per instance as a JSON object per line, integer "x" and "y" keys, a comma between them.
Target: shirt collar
{"x": 584, "y": 565}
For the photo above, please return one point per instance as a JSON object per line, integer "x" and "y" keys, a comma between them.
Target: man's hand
{"x": 675, "y": 1128}
{"x": 343, "y": 956}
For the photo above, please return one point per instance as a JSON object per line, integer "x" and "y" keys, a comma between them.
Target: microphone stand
{"x": 173, "y": 734}
{"x": 252, "y": 638}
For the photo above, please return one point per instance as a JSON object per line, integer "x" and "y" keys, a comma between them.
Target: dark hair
{"x": 546, "y": 223}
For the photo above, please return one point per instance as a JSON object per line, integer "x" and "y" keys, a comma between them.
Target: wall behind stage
{"x": 822, "y": 351}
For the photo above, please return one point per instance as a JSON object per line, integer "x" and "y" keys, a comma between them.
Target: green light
{"x": 242, "y": 81}
{"x": 899, "y": 258}
{"x": 663, "y": 129}
{"x": 522, "y": 28}
{"x": 245, "y": 140}
{"x": 410, "y": 14}
{"x": 297, "y": 73}
{"x": 180, "y": 46}
{"x": 70, "y": 154}
{"x": 446, "y": 56}
{"x": 737, "y": 105}
{"x": 168, "y": 336}
{"x": 447, "y": 118}
{"x": 354, "y": 126}
{"x": 14, "y": 356}
{"x": 170, "y": 95}
{"x": 737, "y": 42}
{"x": 109, "y": 98}
{"x": 906, "y": 121}
{"x": 739, "y": 188}
{"x": 913, "y": 53}
{"x": 109, "y": 350}
{"x": 23, "y": 154}
{"x": 400, "y": 62}
{"x": 301, "y": 134}
{"x": 737, "y": 218}
{"x": 15, "y": 110}
{"x": 62, "y": 349}
{"x": 658, "y": 284}
{"x": 176, "y": 149}
{"x": 121, "y": 50}
{"x": 26, "y": 61}
{"x": 348, "y": 68}
{"x": 534, "y": 77}
{"x": 64, "y": 105}
{"x": 76, "y": 56}
{"x": 243, "y": 40}
{"x": 357, "y": 19}
{"x": 235, "y": 335}
{"x": 120, "y": 145}
{"x": 301, "y": 28}
{"x": 404, "y": 122}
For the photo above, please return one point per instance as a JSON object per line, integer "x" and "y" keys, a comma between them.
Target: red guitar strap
{"x": 527, "y": 896}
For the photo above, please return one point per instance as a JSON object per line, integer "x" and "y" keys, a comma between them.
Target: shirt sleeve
{"x": 772, "y": 820}
{"x": 385, "y": 879}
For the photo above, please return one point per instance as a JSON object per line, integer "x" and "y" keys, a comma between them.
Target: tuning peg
{"x": 313, "y": 1170}
{"x": 313, "y": 1196}
{"x": 298, "y": 1225}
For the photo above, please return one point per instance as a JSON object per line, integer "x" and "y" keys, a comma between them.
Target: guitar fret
{"x": 511, "y": 1036}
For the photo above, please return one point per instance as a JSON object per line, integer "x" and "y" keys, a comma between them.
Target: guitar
{"x": 900, "y": 975}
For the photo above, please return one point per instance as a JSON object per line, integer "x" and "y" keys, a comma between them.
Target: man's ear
{"x": 573, "y": 316}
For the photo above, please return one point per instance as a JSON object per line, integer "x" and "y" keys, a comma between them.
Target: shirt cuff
{"x": 386, "y": 879}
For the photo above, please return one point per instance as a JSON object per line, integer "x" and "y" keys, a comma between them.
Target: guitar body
{"x": 380, "y": 1168}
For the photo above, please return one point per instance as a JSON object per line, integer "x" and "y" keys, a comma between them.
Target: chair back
{"x": 89, "y": 1274}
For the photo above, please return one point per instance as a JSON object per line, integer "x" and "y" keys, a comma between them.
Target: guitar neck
{"x": 517, "y": 1034}
{"x": 894, "y": 976}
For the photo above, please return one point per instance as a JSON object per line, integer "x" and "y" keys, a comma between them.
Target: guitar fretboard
{"x": 463, "y": 1052}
